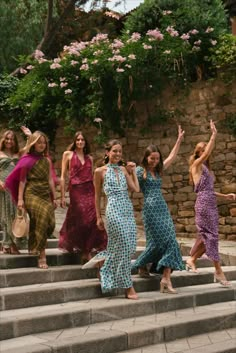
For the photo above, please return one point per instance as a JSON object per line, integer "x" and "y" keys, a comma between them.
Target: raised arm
{"x": 196, "y": 167}
{"x": 98, "y": 180}
{"x": 172, "y": 156}
{"x": 209, "y": 147}
{"x": 131, "y": 176}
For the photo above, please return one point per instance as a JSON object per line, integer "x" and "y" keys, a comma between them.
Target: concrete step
{"x": 120, "y": 334}
{"x": 24, "y": 276}
{"x": 55, "y": 257}
{"x": 223, "y": 341}
{"x": 33, "y": 275}
{"x": 62, "y": 292}
{"x": 227, "y": 250}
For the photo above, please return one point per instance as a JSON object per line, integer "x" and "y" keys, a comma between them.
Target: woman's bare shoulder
{"x": 101, "y": 170}
{"x": 67, "y": 154}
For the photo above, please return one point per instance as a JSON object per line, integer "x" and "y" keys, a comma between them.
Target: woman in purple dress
{"x": 206, "y": 213}
{"x": 79, "y": 231}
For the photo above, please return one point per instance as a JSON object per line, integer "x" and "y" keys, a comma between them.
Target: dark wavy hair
{"x": 15, "y": 148}
{"x": 150, "y": 149}
{"x": 72, "y": 146}
{"x": 108, "y": 147}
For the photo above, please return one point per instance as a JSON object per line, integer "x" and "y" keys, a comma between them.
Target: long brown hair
{"x": 33, "y": 138}
{"x": 159, "y": 168}
{"x": 196, "y": 154}
{"x": 72, "y": 146}
{"x": 15, "y": 148}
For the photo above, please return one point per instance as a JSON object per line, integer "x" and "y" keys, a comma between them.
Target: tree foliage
{"x": 21, "y": 29}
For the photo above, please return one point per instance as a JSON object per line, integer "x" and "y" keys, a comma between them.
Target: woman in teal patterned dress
{"x": 9, "y": 155}
{"x": 162, "y": 247}
{"x": 121, "y": 227}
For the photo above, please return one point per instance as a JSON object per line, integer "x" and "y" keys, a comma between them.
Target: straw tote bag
{"x": 20, "y": 225}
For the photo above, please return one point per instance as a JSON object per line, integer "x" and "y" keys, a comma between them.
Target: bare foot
{"x": 42, "y": 263}
{"x": 131, "y": 294}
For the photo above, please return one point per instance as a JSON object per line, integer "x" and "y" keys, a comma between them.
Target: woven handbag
{"x": 20, "y": 225}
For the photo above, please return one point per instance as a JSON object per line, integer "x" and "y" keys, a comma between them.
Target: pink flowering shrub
{"x": 104, "y": 78}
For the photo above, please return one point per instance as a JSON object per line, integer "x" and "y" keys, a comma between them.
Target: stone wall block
{"x": 186, "y": 213}
{"x": 229, "y": 188}
{"x": 233, "y": 212}
{"x": 226, "y": 229}
{"x": 180, "y": 197}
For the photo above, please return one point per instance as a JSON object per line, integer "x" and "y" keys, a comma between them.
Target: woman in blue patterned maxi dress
{"x": 206, "y": 213}
{"x": 121, "y": 227}
{"x": 161, "y": 245}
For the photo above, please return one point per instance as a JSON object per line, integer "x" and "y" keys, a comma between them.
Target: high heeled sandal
{"x": 166, "y": 287}
{"x": 12, "y": 250}
{"x": 143, "y": 272}
{"x": 223, "y": 282}
{"x": 190, "y": 268}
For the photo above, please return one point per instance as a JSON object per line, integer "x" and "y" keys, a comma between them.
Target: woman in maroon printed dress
{"x": 206, "y": 213}
{"x": 79, "y": 232}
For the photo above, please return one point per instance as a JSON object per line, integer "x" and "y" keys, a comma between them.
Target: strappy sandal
{"x": 42, "y": 263}
{"x": 222, "y": 281}
{"x": 11, "y": 250}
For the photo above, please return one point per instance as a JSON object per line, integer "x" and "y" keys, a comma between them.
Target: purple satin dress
{"x": 206, "y": 214}
{"x": 79, "y": 231}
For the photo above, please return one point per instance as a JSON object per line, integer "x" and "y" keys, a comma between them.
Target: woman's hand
{"x": 20, "y": 203}
{"x": 180, "y": 133}
{"x": 55, "y": 204}
{"x": 2, "y": 186}
{"x": 131, "y": 167}
{"x": 231, "y": 197}
{"x": 26, "y": 131}
{"x": 213, "y": 127}
{"x": 63, "y": 202}
{"x": 100, "y": 223}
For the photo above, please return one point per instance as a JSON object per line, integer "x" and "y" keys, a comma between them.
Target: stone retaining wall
{"x": 205, "y": 101}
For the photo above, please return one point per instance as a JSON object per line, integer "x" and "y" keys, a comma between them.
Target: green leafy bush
{"x": 104, "y": 79}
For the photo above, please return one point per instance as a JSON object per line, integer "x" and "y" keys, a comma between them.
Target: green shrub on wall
{"x": 103, "y": 79}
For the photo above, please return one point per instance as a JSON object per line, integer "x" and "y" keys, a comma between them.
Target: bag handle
{"x": 20, "y": 212}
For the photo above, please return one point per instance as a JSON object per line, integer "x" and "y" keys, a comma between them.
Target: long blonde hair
{"x": 196, "y": 154}
{"x": 33, "y": 138}
{"x": 15, "y": 148}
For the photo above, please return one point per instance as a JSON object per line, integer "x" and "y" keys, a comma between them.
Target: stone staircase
{"x": 62, "y": 310}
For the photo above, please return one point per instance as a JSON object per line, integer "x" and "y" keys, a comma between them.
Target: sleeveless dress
{"x": 79, "y": 231}
{"x": 121, "y": 229}
{"x": 161, "y": 244}
{"x": 206, "y": 214}
{"x": 7, "y": 207}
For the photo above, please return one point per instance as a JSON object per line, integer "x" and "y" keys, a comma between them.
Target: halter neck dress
{"x": 162, "y": 248}
{"x": 206, "y": 214}
{"x": 121, "y": 230}
{"x": 79, "y": 231}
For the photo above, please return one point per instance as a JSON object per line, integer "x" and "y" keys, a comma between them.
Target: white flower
{"x": 55, "y": 66}
{"x": 53, "y": 84}
{"x": 97, "y": 120}
{"x": 132, "y": 56}
{"x": 68, "y": 91}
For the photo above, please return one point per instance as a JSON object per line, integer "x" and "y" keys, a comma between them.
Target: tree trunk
{"x": 51, "y": 29}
